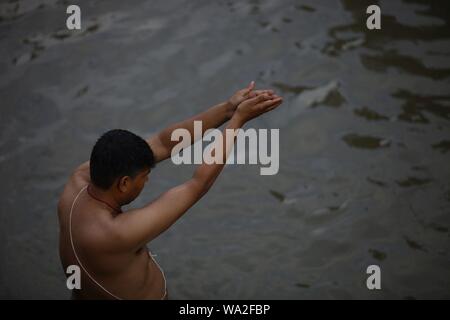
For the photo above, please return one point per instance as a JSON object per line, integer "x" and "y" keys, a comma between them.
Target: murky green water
{"x": 364, "y": 140}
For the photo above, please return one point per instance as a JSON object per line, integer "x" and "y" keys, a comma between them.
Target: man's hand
{"x": 256, "y": 106}
{"x": 244, "y": 94}
{"x": 241, "y": 95}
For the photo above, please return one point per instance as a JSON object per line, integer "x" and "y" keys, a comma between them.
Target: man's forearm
{"x": 206, "y": 173}
{"x": 214, "y": 117}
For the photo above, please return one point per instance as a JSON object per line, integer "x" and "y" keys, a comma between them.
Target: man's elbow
{"x": 159, "y": 150}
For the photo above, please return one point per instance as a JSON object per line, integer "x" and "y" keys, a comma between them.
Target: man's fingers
{"x": 255, "y": 93}
{"x": 258, "y": 92}
{"x": 269, "y": 103}
{"x": 276, "y": 105}
{"x": 257, "y": 99}
{"x": 249, "y": 89}
{"x": 252, "y": 94}
{"x": 262, "y": 97}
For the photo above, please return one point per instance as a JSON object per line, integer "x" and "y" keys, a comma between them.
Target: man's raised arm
{"x": 161, "y": 143}
{"x": 137, "y": 227}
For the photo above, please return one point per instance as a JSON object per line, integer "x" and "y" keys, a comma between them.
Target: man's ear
{"x": 124, "y": 184}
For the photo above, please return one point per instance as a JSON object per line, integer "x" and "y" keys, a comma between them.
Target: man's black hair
{"x": 119, "y": 153}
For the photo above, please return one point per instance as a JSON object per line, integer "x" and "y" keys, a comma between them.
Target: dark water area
{"x": 364, "y": 140}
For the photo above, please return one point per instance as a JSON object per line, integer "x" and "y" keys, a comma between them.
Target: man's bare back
{"x": 127, "y": 275}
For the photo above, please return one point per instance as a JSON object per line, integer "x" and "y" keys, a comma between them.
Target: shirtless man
{"x": 110, "y": 246}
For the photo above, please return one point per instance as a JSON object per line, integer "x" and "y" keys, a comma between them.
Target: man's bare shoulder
{"x": 78, "y": 179}
{"x": 99, "y": 228}
{"x": 82, "y": 172}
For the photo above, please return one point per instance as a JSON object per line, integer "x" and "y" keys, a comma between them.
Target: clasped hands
{"x": 249, "y": 103}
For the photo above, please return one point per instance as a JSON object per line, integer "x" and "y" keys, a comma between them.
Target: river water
{"x": 364, "y": 173}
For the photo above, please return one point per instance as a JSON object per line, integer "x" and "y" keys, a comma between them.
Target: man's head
{"x": 120, "y": 163}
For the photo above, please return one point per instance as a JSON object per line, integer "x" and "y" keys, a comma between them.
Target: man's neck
{"x": 106, "y": 197}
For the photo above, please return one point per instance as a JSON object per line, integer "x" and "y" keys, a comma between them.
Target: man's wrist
{"x": 237, "y": 120}
{"x": 229, "y": 109}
